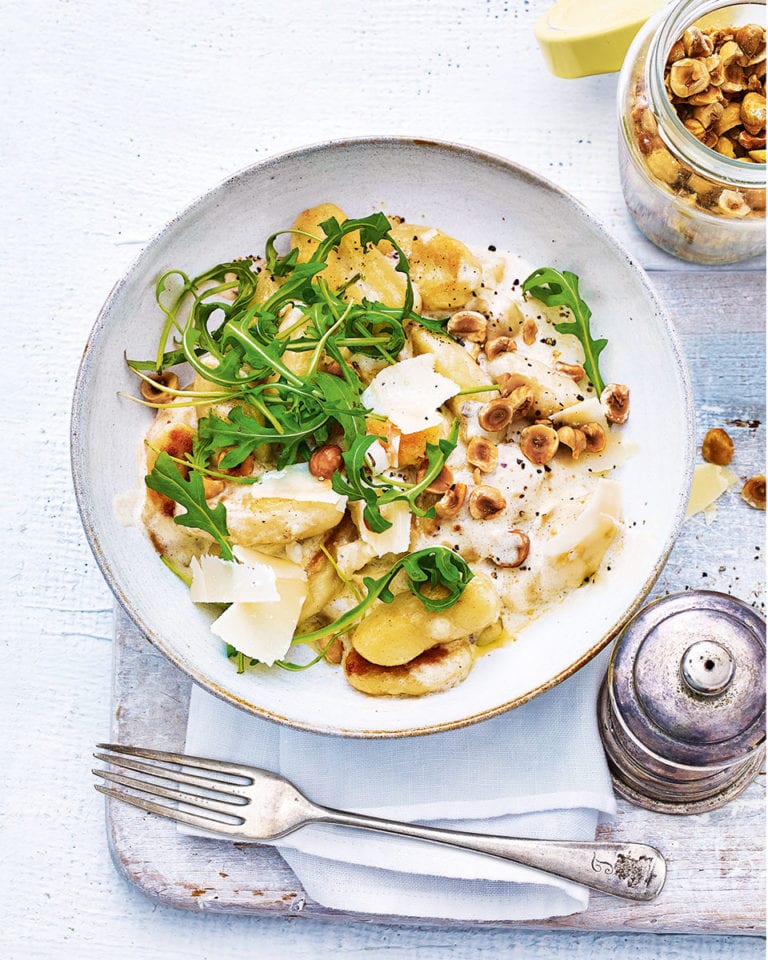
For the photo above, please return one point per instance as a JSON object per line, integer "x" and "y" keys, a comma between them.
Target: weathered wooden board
{"x": 716, "y": 881}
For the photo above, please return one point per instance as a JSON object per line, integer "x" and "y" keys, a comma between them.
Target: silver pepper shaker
{"x": 682, "y": 707}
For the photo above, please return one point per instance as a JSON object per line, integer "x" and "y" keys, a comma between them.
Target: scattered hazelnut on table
{"x": 753, "y": 492}
{"x": 717, "y": 447}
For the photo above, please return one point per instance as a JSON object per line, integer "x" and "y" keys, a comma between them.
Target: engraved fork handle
{"x": 634, "y": 871}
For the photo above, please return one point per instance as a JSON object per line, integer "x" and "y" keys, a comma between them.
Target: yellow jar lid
{"x": 582, "y": 37}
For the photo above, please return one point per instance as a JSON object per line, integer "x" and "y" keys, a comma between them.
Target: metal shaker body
{"x": 682, "y": 707}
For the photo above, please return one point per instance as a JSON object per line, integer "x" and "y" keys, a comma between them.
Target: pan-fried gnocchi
{"x": 392, "y": 450}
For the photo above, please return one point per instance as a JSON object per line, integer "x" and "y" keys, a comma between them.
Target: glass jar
{"x": 690, "y": 198}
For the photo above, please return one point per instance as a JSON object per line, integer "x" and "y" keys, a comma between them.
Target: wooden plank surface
{"x": 716, "y": 881}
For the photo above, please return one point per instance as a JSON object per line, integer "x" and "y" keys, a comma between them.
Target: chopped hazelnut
{"x": 573, "y": 370}
{"x": 574, "y": 439}
{"x": 615, "y": 402}
{"x": 483, "y": 454}
{"x": 717, "y": 447}
{"x": 442, "y": 482}
{"x": 486, "y": 502}
{"x": 452, "y": 501}
{"x": 753, "y": 491}
{"x": 595, "y": 437}
{"x": 519, "y": 542}
{"x": 508, "y": 382}
{"x": 499, "y": 345}
{"x": 154, "y": 394}
{"x": 212, "y": 487}
{"x": 468, "y": 325}
{"x": 539, "y": 443}
{"x": 530, "y": 330}
{"x": 498, "y": 414}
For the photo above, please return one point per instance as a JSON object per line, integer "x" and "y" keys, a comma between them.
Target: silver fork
{"x": 245, "y": 803}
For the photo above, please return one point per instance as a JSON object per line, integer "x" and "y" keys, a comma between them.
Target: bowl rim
{"x": 78, "y": 464}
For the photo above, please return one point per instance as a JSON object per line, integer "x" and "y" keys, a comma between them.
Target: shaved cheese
{"x": 397, "y": 539}
{"x": 295, "y": 482}
{"x": 223, "y": 581}
{"x": 266, "y": 595}
{"x": 264, "y": 631}
{"x": 709, "y": 482}
{"x": 409, "y": 393}
{"x": 283, "y": 569}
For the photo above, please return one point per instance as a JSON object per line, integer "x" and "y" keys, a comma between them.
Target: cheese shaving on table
{"x": 410, "y": 393}
{"x": 709, "y": 482}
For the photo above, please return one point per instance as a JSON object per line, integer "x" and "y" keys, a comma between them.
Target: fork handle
{"x": 634, "y": 871}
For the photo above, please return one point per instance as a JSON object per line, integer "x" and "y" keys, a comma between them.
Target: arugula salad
{"x": 379, "y": 449}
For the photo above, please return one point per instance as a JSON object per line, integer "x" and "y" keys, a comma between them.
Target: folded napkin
{"x": 538, "y": 771}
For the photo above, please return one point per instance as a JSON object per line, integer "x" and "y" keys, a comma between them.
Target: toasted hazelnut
{"x": 711, "y": 95}
{"x": 334, "y": 368}
{"x": 325, "y": 461}
{"x": 751, "y": 39}
{"x": 755, "y": 198}
{"x": 758, "y": 156}
{"x": 574, "y": 439}
{"x": 521, "y": 544}
{"x": 663, "y": 166}
{"x": 509, "y": 382}
{"x": 751, "y": 142}
{"x": 735, "y": 80}
{"x": 539, "y": 443}
{"x": 498, "y": 414}
{"x": 676, "y": 53}
{"x": 729, "y": 53}
{"x": 154, "y": 394}
{"x": 486, "y": 502}
{"x": 709, "y": 114}
{"x": 717, "y": 447}
{"x": 212, "y": 487}
{"x": 452, "y": 501}
{"x": 731, "y": 117}
{"x": 752, "y": 111}
{"x": 732, "y": 204}
{"x": 696, "y": 43}
{"x": 442, "y": 482}
{"x": 725, "y": 147}
{"x": 688, "y": 77}
{"x": 530, "y": 329}
{"x": 468, "y": 325}
{"x": 573, "y": 370}
{"x": 499, "y": 345}
{"x": 483, "y": 454}
{"x": 594, "y": 434}
{"x": 696, "y": 127}
{"x": 244, "y": 469}
{"x": 753, "y": 491}
{"x": 615, "y": 402}
{"x": 335, "y": 651}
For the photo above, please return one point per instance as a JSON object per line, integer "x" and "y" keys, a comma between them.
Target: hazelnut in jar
{"x": 692, "y": 137}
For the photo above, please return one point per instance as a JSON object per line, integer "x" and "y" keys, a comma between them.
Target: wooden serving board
{"x": 716, "y": 861}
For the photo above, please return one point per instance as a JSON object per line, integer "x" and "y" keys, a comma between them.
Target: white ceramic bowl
{"x": 482, "y": 200}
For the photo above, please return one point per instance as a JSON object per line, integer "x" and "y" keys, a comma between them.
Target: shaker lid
{"x": 687, "y": 678}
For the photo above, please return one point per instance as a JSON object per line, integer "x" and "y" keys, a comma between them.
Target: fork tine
{"x": 200, "y": 763}
{"x": 164, "y": 773}
{"x": 181, "y": 816}
{"x": 190, "y": 799}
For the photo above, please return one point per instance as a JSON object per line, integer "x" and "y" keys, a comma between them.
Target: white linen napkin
{"x": 537, "y": 771}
